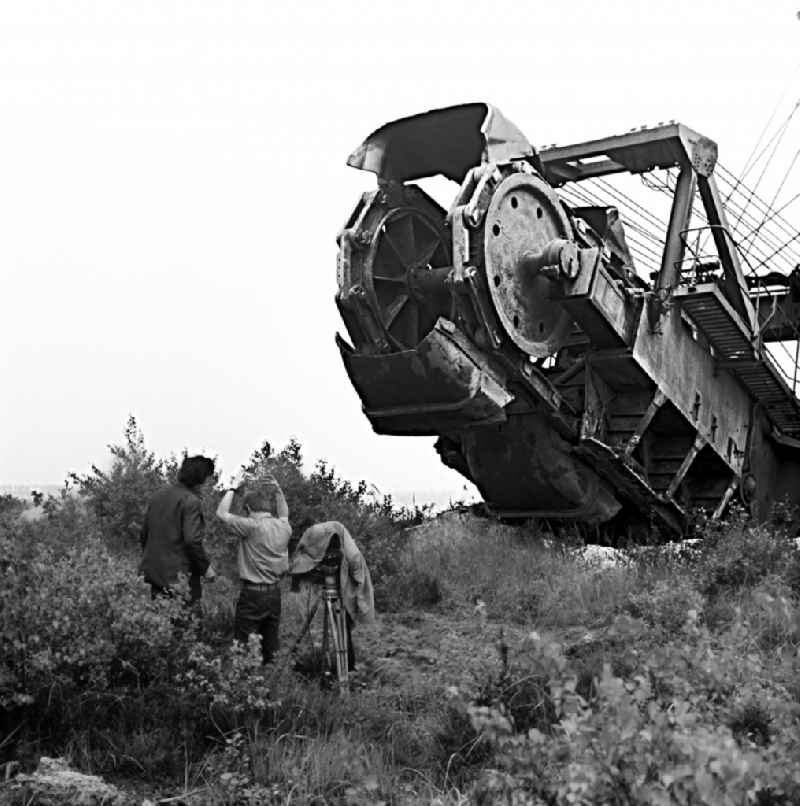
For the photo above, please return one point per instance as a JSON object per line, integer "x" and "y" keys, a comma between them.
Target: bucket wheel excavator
{"x": 520, "y": 327}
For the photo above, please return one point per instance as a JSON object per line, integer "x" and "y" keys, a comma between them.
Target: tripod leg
{"x": 326, "y": 637}
{"x": 339, "y": 642}
{"x": 306, "y": 626}
{"x": 341, "y": 655}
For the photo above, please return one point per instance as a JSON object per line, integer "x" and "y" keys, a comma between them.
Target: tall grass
{"x": 521, "y": 573}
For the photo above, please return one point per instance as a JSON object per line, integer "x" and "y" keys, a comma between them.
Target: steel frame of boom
{"x": 713, "y": 400}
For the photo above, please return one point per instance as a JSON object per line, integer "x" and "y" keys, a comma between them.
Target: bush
{"x": 655, "y": 737}
{"x": 665, "y": 605}
{"x": 76, "y": 619}
{"x": 771, "y": 616}
{"x": 10, "y": 506}
{"x": 119, "y": 497}
{"x": 234, "y": 684}
{"x": 737, "y": 554}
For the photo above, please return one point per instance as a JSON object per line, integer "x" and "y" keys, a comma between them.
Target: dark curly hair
{"x": 195, "y": 470}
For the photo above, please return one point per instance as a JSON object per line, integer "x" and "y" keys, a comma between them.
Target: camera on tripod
{"x": 336, "y": 649}
{"x": 329, "y": 566}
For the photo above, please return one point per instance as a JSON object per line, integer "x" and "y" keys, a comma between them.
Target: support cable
{"x": 609, "y": 188}
{"x": 783, "y": 131}
{"x": 773, "y": 214}
{"x": 746, "y": 166}
{"x": 758, "y": 202}
{"x": 774, "y": 198}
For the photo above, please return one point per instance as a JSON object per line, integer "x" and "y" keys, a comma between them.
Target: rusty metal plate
{"x": 524, "y": 215}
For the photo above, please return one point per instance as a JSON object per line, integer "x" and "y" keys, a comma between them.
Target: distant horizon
{"x": 437, "y": 497}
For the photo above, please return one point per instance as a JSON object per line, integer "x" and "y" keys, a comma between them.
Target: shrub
{"x": 234, "y": 684}
{"x": 118, "y": 497}
{"x": 10, "y": 506}
{"x": 639, "y": 741}
{"x": 737, "y": 553}
{"x": 76, "y": 619}
{"x": 771, "y": 615}
{"x": 666, "y": 604}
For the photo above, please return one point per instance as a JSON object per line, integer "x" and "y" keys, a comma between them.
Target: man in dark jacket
{"x": 172, "y": 532}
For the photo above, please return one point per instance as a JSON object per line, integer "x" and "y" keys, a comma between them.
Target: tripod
{"x": 335, "y": 634}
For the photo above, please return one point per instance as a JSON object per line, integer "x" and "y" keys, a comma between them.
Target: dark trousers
{"x": 258, "y": 611}
{"x": 351, "y": 650}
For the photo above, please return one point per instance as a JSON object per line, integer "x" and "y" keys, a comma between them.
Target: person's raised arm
{"x": 224, "y": 508}
{"x": 235, "y": 523}
{"x": 281, "y": 507}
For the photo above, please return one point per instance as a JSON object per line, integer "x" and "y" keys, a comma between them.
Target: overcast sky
{"x": 172, "y": 179}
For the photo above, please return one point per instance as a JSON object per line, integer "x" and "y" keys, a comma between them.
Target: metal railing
{"x": 701, "y": 266}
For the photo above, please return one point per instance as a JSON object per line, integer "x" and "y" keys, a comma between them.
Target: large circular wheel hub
{"x": 524, "y": 217}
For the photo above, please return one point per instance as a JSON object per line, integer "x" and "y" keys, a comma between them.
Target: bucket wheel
{"x": 393, "y": 262}
{"x": 408, "y": 261}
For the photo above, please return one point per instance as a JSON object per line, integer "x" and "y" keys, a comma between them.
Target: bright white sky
{"x": 172, "y": 179}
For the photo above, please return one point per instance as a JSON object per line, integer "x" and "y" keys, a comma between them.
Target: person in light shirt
{"x": 263, "y": 558}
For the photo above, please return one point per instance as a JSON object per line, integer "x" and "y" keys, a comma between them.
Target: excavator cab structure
{"x": 567, "y": 370}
